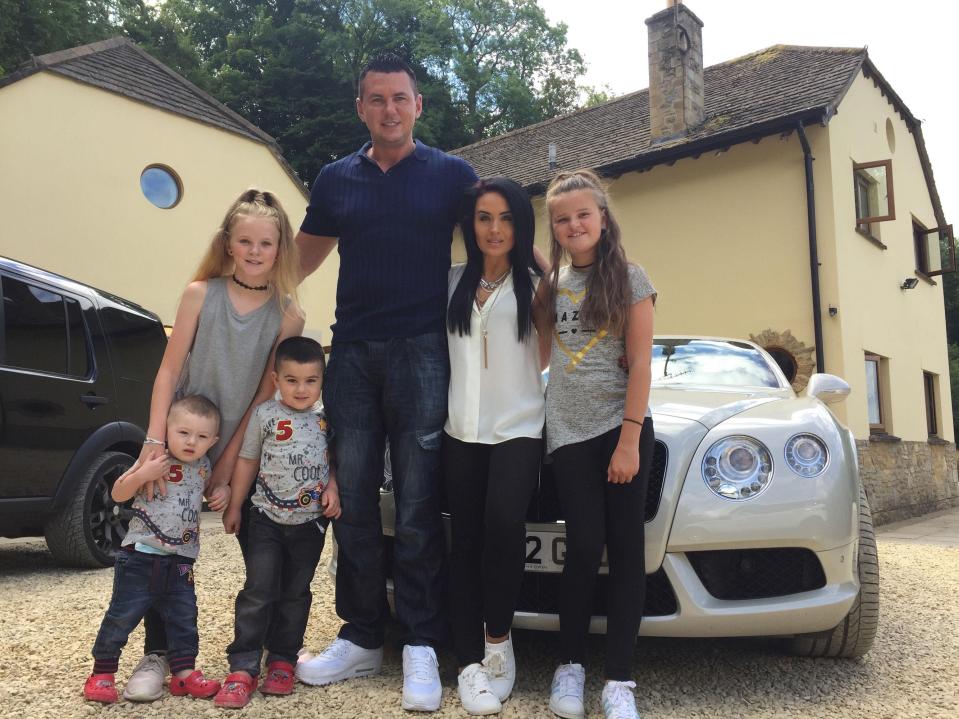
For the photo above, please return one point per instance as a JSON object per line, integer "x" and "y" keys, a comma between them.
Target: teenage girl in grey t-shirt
{"x": 599, "y": 433}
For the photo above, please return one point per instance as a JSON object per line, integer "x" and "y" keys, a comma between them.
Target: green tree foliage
{"x": 509, "y": 67}
{"x": 594, "y": 96}
{"x": 36, "y": 27}
{"x": 291, "y": 66}
{"x": 950, "y": 291}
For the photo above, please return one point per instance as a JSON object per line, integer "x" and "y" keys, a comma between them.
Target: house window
{"x": 875, "y": 399}
{"x": 929, "y": 388}
{"x": 935, "y": 250}
{"x": 873, "y": 192}
{"x": 161, "y": 186}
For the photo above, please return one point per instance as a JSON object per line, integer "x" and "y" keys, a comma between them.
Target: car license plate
{"x": 546, "y": 552}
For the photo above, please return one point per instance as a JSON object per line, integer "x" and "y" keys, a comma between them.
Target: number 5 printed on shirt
{"x": 284, "y": 430}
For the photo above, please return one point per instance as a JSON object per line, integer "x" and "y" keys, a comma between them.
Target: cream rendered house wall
{"x": 874, "y": 314}
{"x": 70, "y": 194}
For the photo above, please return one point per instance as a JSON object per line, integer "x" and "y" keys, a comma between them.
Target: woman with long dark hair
{"x": 492, "y": 443}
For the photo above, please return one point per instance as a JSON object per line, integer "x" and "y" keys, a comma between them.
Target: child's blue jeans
{"x": 142, "y": 581}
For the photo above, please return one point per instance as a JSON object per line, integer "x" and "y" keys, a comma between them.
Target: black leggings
{"x": 598, "y": 512}
{"x": 489, "y": 487}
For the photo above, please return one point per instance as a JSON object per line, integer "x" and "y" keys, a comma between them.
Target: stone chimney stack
{"x": 675, "y": 72}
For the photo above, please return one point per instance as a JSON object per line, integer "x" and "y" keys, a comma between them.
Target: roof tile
{"x": 770, "y": 84}
{"x": 129, "y": 72}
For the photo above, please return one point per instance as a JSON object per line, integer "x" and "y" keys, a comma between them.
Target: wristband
{"x": 150, "y": 440}
{"x": 634, "y": 421}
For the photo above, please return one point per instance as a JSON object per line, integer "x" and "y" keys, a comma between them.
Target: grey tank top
{"x": 228, "y": 355}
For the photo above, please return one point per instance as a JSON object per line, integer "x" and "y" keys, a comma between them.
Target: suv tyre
{"x": 88, "y": 531}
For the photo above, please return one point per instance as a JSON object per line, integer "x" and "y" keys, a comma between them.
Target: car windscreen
{"x": 710, "y": 362}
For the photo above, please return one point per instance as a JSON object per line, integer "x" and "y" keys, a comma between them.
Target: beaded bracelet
{"x": 150, "y": 440}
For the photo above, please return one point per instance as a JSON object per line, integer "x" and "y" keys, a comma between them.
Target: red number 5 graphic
{"x": 176, "y": 473}
{"x": 284, "y": 430}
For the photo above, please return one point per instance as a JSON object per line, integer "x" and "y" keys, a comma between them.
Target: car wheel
{"x": 88, "y": 531}
{"x": 855, "y": 634}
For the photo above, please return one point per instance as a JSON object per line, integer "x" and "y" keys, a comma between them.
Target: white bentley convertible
{"x": 756, "y": 521}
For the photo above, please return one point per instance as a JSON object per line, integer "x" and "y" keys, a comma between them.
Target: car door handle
{"x": 93, "y": 400}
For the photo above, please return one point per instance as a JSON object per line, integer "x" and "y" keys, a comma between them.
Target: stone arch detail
{"x": 801, "y": 353}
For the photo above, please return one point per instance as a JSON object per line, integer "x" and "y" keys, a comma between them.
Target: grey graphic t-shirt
{"x": 294, "y": 461}
{"x": 171, "y": 524}
{"x": 586, "y": 394}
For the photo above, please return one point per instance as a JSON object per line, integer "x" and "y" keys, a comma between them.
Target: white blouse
{"x": 502, "y": 397}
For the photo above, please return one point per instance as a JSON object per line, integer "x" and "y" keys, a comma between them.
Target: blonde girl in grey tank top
{"x": 228, "y": 356}
{"x": 220, "y": 345}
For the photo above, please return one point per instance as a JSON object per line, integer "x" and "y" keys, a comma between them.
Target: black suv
{"x": 76, "y": 373}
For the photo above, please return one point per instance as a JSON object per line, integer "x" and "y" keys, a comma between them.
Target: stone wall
{"x": 676, "y": 100}
{"x": 906, "y": 479}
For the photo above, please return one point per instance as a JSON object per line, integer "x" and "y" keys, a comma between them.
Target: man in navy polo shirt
{"x": 390, "y": 209}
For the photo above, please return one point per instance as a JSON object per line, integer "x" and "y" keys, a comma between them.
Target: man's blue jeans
{"x": 373, "y": 390}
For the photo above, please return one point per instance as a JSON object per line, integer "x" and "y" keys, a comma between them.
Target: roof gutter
{"x": 813, "y": 246}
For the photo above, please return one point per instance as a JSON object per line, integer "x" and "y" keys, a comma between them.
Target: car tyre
{"x": 87, "y": 531}
{"x": 855, "y": 634}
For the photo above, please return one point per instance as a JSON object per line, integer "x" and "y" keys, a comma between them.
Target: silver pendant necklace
{"x": 484, "y": 319}
{"x": 490, "y": 286}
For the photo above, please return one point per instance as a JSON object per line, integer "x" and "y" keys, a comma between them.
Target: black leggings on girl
{"x": 600, "y": 513}
{"x": 489, "y": 487}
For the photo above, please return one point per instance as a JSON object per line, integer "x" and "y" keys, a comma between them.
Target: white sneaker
{"x": 618, "y": 700}
{"x": 146, "y": 682}
{"x": 566, "y": 693}
{"x": 422, "y": 690}
{"x": 341, "y": 660}
{"x": 501, "y": 666}
{"x": 476, "y": 695}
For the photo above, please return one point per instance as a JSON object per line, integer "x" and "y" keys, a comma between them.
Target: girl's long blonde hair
{"x": 608, "y": 292}
{"x": 286, "y": 270}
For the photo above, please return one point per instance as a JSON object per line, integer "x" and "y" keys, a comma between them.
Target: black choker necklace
{"x": 244, "y": 285}
{"x": 575, "y": 267}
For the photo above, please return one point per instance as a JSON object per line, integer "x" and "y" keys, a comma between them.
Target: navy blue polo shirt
{"x": 395, "y": 229}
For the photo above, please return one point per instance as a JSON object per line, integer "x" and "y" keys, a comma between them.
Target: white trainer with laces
{"x": 146, "y": 682}
{"x": 618, "y": 700}
{"x": 501, "y": 666}
{"x": 340, "y": 660}
{"x": 422, "y": 691}
{"x": 476, "y": 695}
{"x": 566, "y": 692}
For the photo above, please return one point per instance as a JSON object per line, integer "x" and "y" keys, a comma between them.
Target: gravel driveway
{"x": 49, "y": 617}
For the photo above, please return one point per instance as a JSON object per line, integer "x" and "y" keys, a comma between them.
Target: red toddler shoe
{"x": 279, "y": 678}
{"x": 195, "y": 685}
{"x": 235, "y": 692}
{"x": 101, "y": 688}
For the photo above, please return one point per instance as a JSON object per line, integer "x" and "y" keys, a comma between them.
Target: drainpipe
{"x": 813, "y": 248}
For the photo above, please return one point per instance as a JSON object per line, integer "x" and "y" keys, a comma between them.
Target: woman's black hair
{"x": 521, "y": 256}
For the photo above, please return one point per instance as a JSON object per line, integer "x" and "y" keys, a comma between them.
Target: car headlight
{"x": 806, "y": 455}
{"x": 737, "y": 467}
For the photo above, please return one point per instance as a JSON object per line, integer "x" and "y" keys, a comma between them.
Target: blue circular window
{"x": 161, "y": 186}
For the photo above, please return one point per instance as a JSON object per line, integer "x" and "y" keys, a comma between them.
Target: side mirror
{"x": 827, "y": 388}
